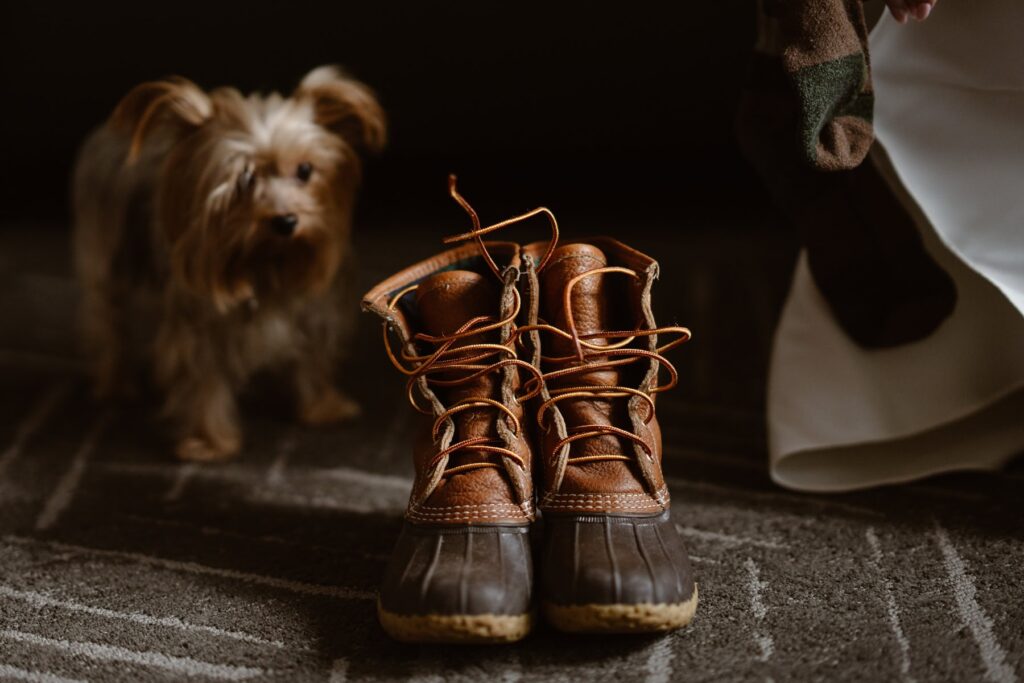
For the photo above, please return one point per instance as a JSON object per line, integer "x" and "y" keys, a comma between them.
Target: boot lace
{"x": 450, "y": 366}
{"x": 594, "y": 350}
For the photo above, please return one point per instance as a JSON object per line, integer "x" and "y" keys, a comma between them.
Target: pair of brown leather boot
{"x": 536, "y": 368}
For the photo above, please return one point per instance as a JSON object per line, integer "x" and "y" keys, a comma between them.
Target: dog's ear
{"x": 345, "y": 106}
{"x": 175, "y": 101}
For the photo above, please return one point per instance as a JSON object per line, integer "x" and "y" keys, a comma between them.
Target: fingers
{"x": 902, "y": 10}
{"x": 898, "y": 9}
{"x": 922, "y": 11}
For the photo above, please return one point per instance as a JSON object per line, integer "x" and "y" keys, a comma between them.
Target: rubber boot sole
{"x": 636, "y": 618}
{"x": 455, "y": 628}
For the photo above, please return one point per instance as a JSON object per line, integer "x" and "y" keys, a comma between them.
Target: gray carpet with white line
{"x": 117, "y": 563}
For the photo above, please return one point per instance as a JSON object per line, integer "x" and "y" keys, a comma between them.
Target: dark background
{"x": 590, "y": 108}
{"x": 619, "y": 117}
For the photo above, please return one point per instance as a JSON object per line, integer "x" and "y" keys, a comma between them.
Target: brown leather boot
{"x": 462, "y": 569}
{"x": 612, "y": 560}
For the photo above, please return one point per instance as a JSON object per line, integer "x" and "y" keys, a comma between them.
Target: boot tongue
{"x": 588, "y": 301}
{"x": 447, "y": 301}
{"x": 591, "y": 312}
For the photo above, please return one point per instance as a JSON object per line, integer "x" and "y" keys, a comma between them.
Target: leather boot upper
{"x": 575, "y": 477}
{"x": 469, "y": 395}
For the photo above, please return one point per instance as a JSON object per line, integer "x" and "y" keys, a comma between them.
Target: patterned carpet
{"x": 117, "y": 563}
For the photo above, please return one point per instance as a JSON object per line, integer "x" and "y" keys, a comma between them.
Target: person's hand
{"x": 903, "y": 9}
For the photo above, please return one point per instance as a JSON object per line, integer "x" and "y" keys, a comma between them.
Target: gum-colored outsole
{"x": 639, "y": 618}
{"x": 455, "y": 628}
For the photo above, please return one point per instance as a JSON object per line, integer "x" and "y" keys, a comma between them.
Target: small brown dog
{"x": 212, "y": 241}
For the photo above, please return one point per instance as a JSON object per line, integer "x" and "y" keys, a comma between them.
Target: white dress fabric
{"x": 950, "y": 114}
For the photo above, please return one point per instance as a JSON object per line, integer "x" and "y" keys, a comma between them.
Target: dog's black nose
{"x": 284, "y": 223}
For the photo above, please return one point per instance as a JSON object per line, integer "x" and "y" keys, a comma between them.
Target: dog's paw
{"x": 331, "y": 406}
{"x": 197, "y": 449}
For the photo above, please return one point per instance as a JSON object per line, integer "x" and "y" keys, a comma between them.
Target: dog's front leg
{"x": 105, "y": 333}
{"x": 207, "y": 417}
{"x": 320, "y": 402}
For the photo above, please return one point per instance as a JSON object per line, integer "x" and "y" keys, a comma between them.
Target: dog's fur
{"x": 186, "y": 277}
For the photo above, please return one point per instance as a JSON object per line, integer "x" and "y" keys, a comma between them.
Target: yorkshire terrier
{"x": 212, "y": 242}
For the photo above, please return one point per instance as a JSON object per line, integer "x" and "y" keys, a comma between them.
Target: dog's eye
{"x": 304, "y": 171}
